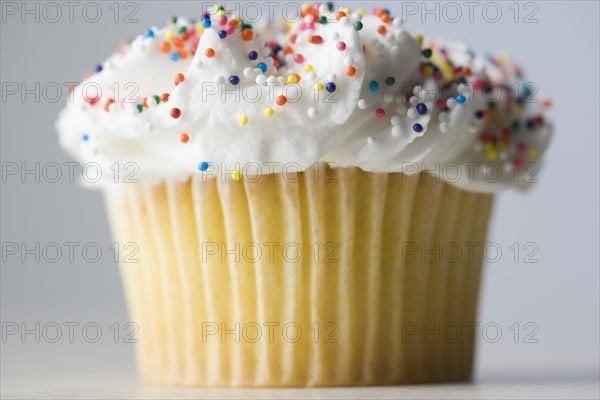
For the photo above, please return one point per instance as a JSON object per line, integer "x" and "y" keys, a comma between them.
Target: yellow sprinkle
{"x": 319, "y": 87}
{"x": 361, "y": 12}
{"x": 428, "y": 70}
{"x": 419, "y": 39}
{"x": 518, "y": 110}
{"x": 169, "y": 35}
{"x": 305, "y": 6}
{"x": 291, "y": 79}
{"x": 503, "y": 58}
{"x": 347, "y": 11}
{"x": 199, "y": 28}
{"x": 269, "y": 112}
{"x": 308, "y": 68}
{"x": 488, "y": 147}
{"x": 236, "y": 175}
{"x": 532, "y": 153}
{"x": 491, "y": 155}
{"x": 243, "y": 120}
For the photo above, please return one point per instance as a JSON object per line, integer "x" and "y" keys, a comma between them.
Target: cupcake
{"x": 308, "y": 202}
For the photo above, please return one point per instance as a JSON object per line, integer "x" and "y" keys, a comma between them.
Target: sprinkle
{"x": 203, "y": 166}
{"x": 98, "y": 68}
{"x": 419, "y": 39}
{"x": 373, "y": 86}
{"x": 312, "y": 112}
{"x": 243, "y": 120}
{"x": 281, "y": 100}
{"x": 164, "y": 47}
{"x": 165, "y": 97}
{"x": 362, "y": 104}
{"x": 421, "y": 108}
{"x": 371, "y": 140}
{"x": 330, "y": 87}
{"x": 179, "y": 78}
{"x": 426, "y": 53}
{"x": 206, "y": 22}
{"x": 210, "y": 52}
{"x": 262, "y": 66}
{"x": 382, "y": 30}
{"x": 380, "y": 113}
{"x": 169, "y": 35}
{"x": 316, "y": 39}
{"x": 358, "y": 25}
{"x": 341, "y": 46}
{"x": 461, "y": 99}
{"x": 323, "y": 20}
{"x": 236, "y": 175}
{"x": 417, "y": 127}
{"x": 479, "y": 114}
{"x": 234, "y": 79}
{"x": 319, "y": 87}
{"x": 184, "y": 138}
{"x": 532, "y": 153}
{"x": 269, "y": 112}
{"x": 222, "y": 34}
{"x": 292, "y": 79}
{"x": 175, "y": 113}
{"x": 351, "y": 71}
{"x": 139, "y": 107}
{"x": 174, "y": 57}
{"x": 85, "y": 137}
{"x": 253, "y": 55}
{"x": 390, "y": 81}
{"x": 149, "y": 33}
{"x": 247, "y": 35}
{"x": 308, "y": 68}
{"x": 340, "y": 15}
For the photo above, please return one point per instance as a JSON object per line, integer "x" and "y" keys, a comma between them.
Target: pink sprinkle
{"x": 518, "y": 163}
{"x": 380, "y": 113}
{"x": 341, "y": 46}
{"x": 521, "y": 147}
{"x": 230, "y": 29}
{"x": 477, "y": 84}
{"x": 293, "y": 38}
{"x": 222, "y": 20}
{"x": 298, "y": 58}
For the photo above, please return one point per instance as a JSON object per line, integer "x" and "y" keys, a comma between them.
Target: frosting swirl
{"x": 335, "y": 87}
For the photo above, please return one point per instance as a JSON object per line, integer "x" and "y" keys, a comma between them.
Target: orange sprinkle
{"x": 247, "y": 34}
{"x": 184, "y": 138}
{"x": 177, "y": 43}
{"x": 179, "y": 78}
{"x": 288, "y": 50}
{"x": 210, "y": 53}
{"x": 183, "y": 54}
{"x": 351, "y": 71}
{"x": 385, "y": 18}
{"x": 165, "y": 47}
{"x": 546, "y": 103}
{"x": 234, "y": 22}
{"x": 315, "y": 39}
{"x": 108, "y": 103}
{"x": 340, "y": 15}
{"x": 281, "y": 100}
{"x": 382, "y": 30}
{"x": 145, "y": 102}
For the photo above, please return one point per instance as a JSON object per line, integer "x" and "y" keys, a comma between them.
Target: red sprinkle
{"x": 164, "y": 98}
{"x": 175, "y": 113}
{"x": 315, "y": 39}
{"x": 380, "y": 113}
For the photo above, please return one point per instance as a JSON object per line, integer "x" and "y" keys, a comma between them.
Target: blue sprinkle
{"x": 222, "y": 34}
{"x": 461, "y": 99}
{"x": 421, "y": 108}
{"x": 98, "y": 68}
{"x": 203, "y": 166}
{"x": 330, "y": 87}
{"x": 149, "y": 33}
{"x": 262, "y": 66}
{"x": 479, "y": 114}
{"x": 417, "y": 128}
{"x": 373, "y": 86}
{"x": 206, "y": 22}
{"x": 174, "y": 57}
{"x": 234, "y": 79}
{"x": 253, "y": 55}
{"x": 85, "y": 137}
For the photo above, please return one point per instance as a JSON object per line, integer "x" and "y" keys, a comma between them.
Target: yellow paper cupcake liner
{"x": 327, "y": 279}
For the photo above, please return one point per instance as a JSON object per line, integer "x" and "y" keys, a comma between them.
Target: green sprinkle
{"x": 139, "y": 107}
{"x": 174, "y": 20}
{"x": 426, "y": 53}
{"x": 182, "y": 29}
{"x": 390, "y": 81}
{"x": 157, "y": 98}
{"x": 358, "y": 25}
{"x": 329, "y": 7}
{"x": 323, "y": 20}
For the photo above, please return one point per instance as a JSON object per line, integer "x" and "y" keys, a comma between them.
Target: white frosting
{"x": 341, "y": 128}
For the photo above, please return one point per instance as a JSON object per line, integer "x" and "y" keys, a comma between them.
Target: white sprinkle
{"x": 344, "y": 21}
{"x": 261, "y": 79}
{"x": 331, "y": 77}
{"x": 149, "y": 126}
{"x": 395, "y": 50}
{"x": 413, "y": 100}
{"x": 389, "y": 36}
{"x": 248, "y": 71}
{"x": 395, "y": 120}
{"x": 281, "y": 80}
{"x": 412, "y": 113}
{"x": 113, "y": 106}
{"x": 356, "y": 16}
{"x": 443, "y": 117}
{"x": 220, "y": 79}
{"x": 444, "y": 127}
{"x": 371, "y": 140}
{"x": 397, "y": 22}
{"x": 312, "y": 76}
{"x": 388, "y": 98}
{"x": 503, "y": 155}
{"x": 362, "y": 104}
{"x": 396, "y": 131}
{"x": 451, "y": 103}
{"x": 312, "y": 112}
{"x": 264, "y": 51}
{"x": 271, "y": 79}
